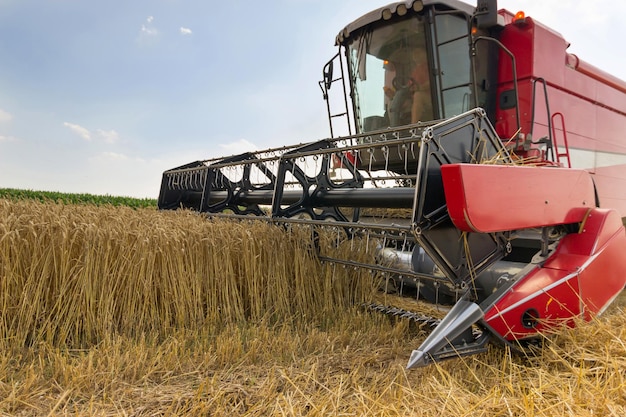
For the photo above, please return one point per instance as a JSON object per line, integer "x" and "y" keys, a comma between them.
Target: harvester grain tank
{"x": 486, "y": 162}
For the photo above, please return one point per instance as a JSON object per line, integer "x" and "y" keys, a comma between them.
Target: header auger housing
{"x": 443, "y": 178}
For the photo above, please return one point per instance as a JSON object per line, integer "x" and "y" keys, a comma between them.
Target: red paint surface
{"x": 592, "y": 102}
{"x": 582, "y": 276}
{"x": 493, "y": 198}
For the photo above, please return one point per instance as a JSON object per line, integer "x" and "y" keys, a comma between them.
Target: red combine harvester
{"x": 484, "y": 165}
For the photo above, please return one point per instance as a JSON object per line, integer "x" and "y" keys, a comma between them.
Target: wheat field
{"x": 114, "y": 311}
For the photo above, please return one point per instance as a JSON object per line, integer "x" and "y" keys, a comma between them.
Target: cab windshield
{"x": 390, "y": 75}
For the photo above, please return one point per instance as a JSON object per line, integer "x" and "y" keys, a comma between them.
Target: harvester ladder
{"x": 325, "y": 85}
{"x": 559, "y": 154}
{"x": 551, "y": 142}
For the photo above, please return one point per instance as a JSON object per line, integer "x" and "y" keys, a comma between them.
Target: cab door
{"x": 450, "y": 33}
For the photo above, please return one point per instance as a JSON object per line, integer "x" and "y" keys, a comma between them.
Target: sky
{"x": 102, "y": 97}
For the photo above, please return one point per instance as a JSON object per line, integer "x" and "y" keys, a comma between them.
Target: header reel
{"x": 344, "y": 180}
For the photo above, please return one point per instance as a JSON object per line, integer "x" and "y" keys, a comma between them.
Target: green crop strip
{"x": 69, "y": 198}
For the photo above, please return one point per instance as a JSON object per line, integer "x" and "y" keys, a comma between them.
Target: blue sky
{"x": 102, "y": 97}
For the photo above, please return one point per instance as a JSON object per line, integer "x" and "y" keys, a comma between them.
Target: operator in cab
{"x": 407, "y": 87}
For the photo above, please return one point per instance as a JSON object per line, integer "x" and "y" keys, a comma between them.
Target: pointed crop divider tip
{"x": 459, "y": 319}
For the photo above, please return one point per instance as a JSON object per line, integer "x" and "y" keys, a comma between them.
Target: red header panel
{"x": 494, "y": 198}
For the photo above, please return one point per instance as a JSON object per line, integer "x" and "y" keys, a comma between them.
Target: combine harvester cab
{"x": 442, "y": 175}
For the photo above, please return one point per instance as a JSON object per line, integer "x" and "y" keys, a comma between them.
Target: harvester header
{"x": 464, "y": 163}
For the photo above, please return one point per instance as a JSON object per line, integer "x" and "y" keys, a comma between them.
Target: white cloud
{"x": 106, "y": 136}
{"x": 148, "y": 30}
{"x": 5, "y": 116}
{"x": 185, "y": 31}
{"x": 238, "y": 147}
{"x": 79, "y": 130}
{"x": 7, "y": 138}
{"x": 109, "y": 136}
{"x": 116, "y": 157}
{"x": 111, "y": 156}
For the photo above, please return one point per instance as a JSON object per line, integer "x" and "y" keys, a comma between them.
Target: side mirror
{"x": 486, "y": 14}
{"x": 328, "y": 75}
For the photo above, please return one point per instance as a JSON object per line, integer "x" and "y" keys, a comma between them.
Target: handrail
{"x": 565, "y": 143}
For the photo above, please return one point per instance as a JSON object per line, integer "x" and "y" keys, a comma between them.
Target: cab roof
{"x": 399, "y": 8}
